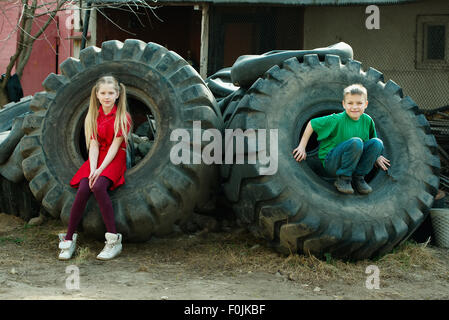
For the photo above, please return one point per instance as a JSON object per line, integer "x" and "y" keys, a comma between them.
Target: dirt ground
{"x": 207, "y": 265}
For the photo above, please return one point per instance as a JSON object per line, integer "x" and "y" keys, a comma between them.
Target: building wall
{"x": 8, "y": 38}
{"x": 177, "y": 28}
{"x": 49, "y": 50}
{"x": 390, "y": 49}
{"x": 243, "y": 29}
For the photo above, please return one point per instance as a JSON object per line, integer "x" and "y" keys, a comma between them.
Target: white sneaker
{"x": 113, "y": 246}
{"x": 67, "y": 247}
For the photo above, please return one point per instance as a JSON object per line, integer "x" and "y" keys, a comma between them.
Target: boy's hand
{"x": 383, "y": 162}
{"x": 299, "y": 153}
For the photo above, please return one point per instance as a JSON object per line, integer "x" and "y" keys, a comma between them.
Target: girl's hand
{"x": 93, "y": 177}
{"x": 383, "y": 162}
{"x": 299, "y": 153}
{"x": 92, "y": 170}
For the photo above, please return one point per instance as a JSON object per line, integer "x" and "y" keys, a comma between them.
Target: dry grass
{"x": 83, "y": 255}
{"x": 239, "y": 252}
{"x": 233, "y": 253}
{"x": 411, "y": 257}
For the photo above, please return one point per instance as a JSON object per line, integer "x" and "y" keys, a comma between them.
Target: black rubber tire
{"x": 12, "y": 168}
{"x": 12, "y": 110}
{"x": 299, "y": 211}
{"x": 15, "y": 195}
{"x": 13, "y": 137}
{"x": 157, "y": 194}
{"x": 248, "y": 68}
{"x": 17, "y": 199}
{"x": 11, "y": 119}
{"x": 228, "y": 104}
{"x": 220, "y": 83}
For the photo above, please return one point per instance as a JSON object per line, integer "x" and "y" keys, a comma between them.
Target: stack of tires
{"x": 295, "y": 208}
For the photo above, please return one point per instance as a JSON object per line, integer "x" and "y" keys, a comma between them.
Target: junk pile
{"x": 439, "y": 126}
{"x": 290, "y": 204}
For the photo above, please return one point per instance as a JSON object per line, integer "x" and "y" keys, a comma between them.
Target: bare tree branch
{"x": 50, "y": 19}
{"x": 28, "y": 43}
{"x": 31, "y": 10}
{"x": 116, "y": 24}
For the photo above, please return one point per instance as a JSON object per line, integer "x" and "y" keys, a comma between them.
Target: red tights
{"x": 100, "y": 190}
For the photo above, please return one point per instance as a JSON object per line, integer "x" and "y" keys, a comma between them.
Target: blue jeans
{"x": 353, "y": 157}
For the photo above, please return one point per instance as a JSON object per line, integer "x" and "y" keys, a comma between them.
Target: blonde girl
{"x": 107, "y": 129}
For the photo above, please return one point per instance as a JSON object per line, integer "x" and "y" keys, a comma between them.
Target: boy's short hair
{"x": 356, "y": 88}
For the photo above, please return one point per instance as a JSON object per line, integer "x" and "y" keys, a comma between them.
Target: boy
{"x": 349, "y": 146}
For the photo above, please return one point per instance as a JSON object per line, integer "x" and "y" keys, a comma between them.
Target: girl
{"x": 106, "y": 127}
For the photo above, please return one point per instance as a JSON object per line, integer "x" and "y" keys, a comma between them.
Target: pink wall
{"x": 9, "y": 14}
{"x": 49, "y": 50}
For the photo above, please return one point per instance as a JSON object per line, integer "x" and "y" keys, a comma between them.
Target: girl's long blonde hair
{"x": 121, "y": 116}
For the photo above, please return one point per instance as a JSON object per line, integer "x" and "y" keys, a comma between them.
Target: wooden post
{"x": 204, "y": 50}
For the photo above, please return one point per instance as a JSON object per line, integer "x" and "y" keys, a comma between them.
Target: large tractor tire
{"x": 11, "y": 131}
{"x": 297, "y": 208}
{"x": 157, "y": 194}
{"x": 15, "y": 195}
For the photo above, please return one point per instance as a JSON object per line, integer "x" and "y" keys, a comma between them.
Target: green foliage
{"x": 15, "y": 240}
{"x": 329, "y": 259}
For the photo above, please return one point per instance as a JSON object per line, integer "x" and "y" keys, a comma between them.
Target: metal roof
{"x": 284, "y": 2}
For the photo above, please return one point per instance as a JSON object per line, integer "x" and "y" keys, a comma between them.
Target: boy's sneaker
{"x": 343, "y": 184}
{"x": 113, "y": 246}
{"x": 361, "y": 186}
{"x": 67, "y": 246}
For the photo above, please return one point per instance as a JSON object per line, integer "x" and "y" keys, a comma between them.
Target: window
{"x": 432, "y": 42}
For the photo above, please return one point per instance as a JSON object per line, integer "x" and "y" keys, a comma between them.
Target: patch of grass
{"x": 329, "y": 259}
{"x": 410, "y": 258}
{"x": 410, "y": 254}
{"x": 15, "y": 240}
{"x": 240, "y": 252}
{"x": 27, "y": 226}
{"x": 82, "y": 255}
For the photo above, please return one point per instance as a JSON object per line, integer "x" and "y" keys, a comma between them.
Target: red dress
{"x": 115, "y": 171}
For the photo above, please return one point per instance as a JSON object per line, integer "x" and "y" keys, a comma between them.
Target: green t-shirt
{"x": 339, "y": 127}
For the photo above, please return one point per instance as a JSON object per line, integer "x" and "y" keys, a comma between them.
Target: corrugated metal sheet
{"x": 283, "y": 2}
